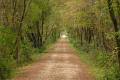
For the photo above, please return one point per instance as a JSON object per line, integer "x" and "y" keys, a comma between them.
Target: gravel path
{"x": 60, "y": 63}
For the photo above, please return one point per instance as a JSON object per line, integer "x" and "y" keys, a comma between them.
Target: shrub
{"x": 25, "y": 54}
{"x": 109, "y": 62}
{"x": 6, "y": 68}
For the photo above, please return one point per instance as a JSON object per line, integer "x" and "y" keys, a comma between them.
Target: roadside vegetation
{"x": 27, "y": 27}
{"x": 93, "y": 29}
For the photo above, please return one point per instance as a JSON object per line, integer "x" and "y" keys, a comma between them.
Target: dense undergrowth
{"x": 102, "y": 65}
{"x": 93, "y": 26}
{"x": 27, "y": 30}
{"x": 9, "y": 67}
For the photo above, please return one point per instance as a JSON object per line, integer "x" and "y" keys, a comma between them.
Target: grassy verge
{"x": 35, "y": 57}
{"x": 41, "y": 52}
{"x": 88, "y": 59}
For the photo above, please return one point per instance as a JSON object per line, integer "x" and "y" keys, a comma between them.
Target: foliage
{"x": 104, "y": 66}
{"x": 94, "y": 28}
{"x": 7, "y": 65}
{"x": 27, "y": 27}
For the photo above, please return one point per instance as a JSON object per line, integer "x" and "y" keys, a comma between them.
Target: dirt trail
{"x": 60, "y": 63}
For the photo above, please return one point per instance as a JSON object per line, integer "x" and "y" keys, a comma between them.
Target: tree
{"x": 114, "y": 20}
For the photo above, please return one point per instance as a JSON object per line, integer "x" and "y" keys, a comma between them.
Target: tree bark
{"x": 114, "y": 20}
{"x": 19, "y": 31}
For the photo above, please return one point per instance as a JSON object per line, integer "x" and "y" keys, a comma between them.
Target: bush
{"x": 7, "y": 63}
{"x": 6, "y": 68}
{"x": 109, "y": 63}
{"x": 25, "y": 54}
{"x": 106, "y": 63}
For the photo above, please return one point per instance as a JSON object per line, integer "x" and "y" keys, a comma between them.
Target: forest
{"x": 28, "y": 27}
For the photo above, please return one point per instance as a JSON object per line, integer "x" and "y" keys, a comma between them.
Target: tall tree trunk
{"x": 19, "y": 31}
{"x": 16, "y": 49}
{"x": 114, "y": 20}
{"x": 42, "y": 28}
{"x": 38, "y": 35}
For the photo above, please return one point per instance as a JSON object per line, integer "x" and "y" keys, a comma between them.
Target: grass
{"x": 46, "y": 49}
{"x": 88, "y": 59}
{"x": 35, "y": 57}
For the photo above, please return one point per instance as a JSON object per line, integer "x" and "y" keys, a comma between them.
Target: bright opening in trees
{"x": 64, "y": 36}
